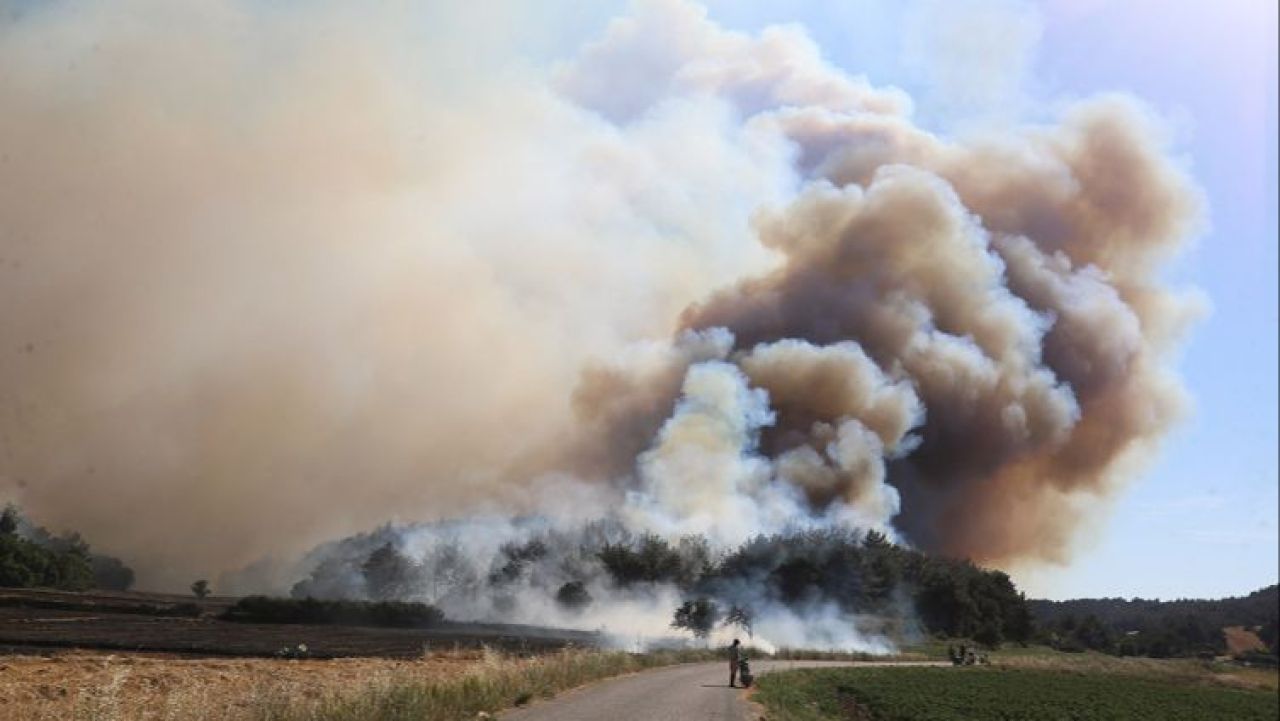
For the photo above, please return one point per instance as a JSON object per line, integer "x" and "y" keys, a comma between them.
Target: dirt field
{"x": 1242, "y": 640}
{"x": 111, "y": 601}
{"x": 96, "y": 686}
{"x": 133, "y": 622}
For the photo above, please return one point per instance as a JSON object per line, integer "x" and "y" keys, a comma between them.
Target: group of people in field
{"x": 965, "y": 656}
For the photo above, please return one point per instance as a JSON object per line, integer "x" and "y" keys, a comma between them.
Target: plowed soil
{"x": 32, "y": 620}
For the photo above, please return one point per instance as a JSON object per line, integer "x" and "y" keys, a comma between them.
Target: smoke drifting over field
{"x": 296, "y": 275}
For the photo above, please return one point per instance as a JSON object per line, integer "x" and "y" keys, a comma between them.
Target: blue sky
{"x": 1202, "y": 519}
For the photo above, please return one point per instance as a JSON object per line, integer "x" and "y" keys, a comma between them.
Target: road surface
{"x": 688, "y": 692}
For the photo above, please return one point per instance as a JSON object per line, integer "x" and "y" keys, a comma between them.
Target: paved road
{"x": 689, "y": 692}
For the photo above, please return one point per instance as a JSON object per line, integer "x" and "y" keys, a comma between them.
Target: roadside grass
{"x": 498, "y": 683}
{"x": 952, "y": 694}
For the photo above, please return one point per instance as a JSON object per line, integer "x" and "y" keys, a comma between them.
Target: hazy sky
{"x": 1202, "y": 521}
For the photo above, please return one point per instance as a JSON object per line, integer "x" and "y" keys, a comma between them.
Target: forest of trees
{"x": 861, "y": 574}
{"x": 32, "y": 556}
{"x": 1161, "y": 629}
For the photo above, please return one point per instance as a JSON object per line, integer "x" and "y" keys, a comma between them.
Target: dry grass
{"x": 498, "y": 682}
{"x": 81, "y": 686}
{"x": 1182, "y": 670}
{"x": 450, "y": 685}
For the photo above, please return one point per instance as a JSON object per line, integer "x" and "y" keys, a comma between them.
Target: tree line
{"x": 1160, "y": 629}
{"x": 33, "y": 556}
{"x": 863, "y": 575}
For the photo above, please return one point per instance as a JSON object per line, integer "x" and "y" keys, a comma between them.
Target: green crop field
{"x": 947, "y": 694}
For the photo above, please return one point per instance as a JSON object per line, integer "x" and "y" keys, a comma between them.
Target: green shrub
{"x": 25, "y": 564}
{"x": 31, "y": 556}
{"x": 573, "y": 596}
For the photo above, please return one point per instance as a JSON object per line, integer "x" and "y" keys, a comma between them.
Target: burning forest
{"x": 738, "y": 337}
{"x": 821, "y": 588}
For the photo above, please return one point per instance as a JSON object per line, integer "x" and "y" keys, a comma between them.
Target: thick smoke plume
{"x": 967, "y": 336}
{"x": 301, "y": 273}
{"x": 1009, "y": 287}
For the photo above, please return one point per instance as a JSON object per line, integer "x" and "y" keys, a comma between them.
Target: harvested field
{"x": 439, "y": 687}
{"x": 113, "y": 601}
{"x": 115, "y": 656}
{"x": 72, "y": 686}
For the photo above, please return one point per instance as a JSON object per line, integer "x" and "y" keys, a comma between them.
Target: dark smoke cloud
{"x": 1014, "y": 282}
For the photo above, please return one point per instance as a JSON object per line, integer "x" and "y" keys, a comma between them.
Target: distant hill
{"x": 1159, "y": 628}
{"x": 1256, "y": 609}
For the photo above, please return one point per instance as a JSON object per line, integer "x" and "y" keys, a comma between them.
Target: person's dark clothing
{"x": 735, "y": 654}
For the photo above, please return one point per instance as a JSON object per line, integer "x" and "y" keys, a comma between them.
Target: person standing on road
{"x": 735, "y": 654}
